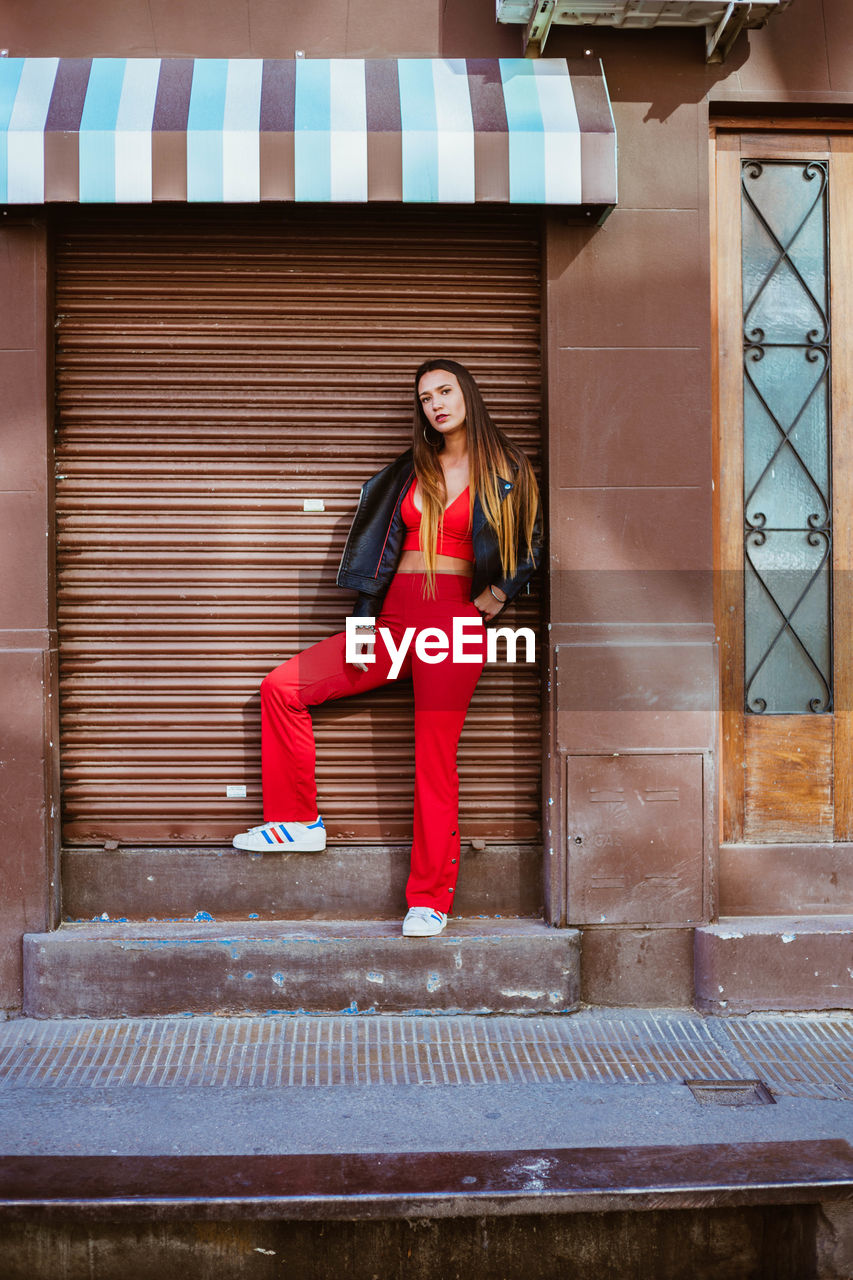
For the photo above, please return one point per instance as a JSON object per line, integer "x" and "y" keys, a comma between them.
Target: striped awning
{"x": 447, "y": 131}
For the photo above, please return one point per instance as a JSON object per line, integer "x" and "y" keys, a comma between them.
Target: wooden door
{"x": 783, "y": 308}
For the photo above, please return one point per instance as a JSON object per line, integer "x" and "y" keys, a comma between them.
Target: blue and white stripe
{"x": 544, "y": 133}
{"x": 133, "y": 179}
{"x": 330, "y": 130}
{"x": 115, "y": 131}
{"x": 437, "y": 131}
{"x": 241, "y": 154}
{"x": 223, "y": 131}
{"x": 26, "y": 86}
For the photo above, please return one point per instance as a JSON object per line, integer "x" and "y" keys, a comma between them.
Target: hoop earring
{"x": 428, "y": 441}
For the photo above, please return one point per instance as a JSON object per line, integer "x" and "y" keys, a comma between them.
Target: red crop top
{"x": 454, "y": 536}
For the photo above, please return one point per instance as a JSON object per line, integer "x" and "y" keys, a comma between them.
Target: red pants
{"x": 442, "y": 693}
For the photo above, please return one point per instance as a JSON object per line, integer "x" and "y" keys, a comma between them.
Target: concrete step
{"x": 345, "y": 882}
{"x": 752, "y": 963}
{"x": 475, "y": 966}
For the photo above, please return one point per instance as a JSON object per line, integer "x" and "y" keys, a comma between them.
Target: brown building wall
{"x": 223, "y": 29}
{"x": 628, "y": 351}
{"x": 631, "y": 524}
{"x": 27, "y": 642}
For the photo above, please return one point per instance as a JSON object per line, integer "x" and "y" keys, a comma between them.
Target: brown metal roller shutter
{"x": 214, "y": 370}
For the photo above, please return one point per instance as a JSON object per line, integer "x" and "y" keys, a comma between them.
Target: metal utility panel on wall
{"x": 723, "y": 20}
{"x": 638, "y": 13}
{"x": 634, "y": 827}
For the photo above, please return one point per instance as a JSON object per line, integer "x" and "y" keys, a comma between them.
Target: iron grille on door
{"x": 786, "y": 420}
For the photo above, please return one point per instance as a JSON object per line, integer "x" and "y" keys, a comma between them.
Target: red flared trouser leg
{"x": 442, "y": 695}
{"x": 288, "y": 753}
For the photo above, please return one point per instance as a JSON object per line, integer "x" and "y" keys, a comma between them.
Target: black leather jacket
{"x": 375, "y": 542}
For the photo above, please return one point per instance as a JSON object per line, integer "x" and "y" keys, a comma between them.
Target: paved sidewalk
{"x": 598, "y": 1078}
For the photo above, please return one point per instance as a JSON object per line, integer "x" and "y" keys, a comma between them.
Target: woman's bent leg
{"x": 288, "y": 756}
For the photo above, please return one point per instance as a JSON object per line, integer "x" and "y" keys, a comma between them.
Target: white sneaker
{"x": 423, "y": 922}
{"x": 284, "y": 837}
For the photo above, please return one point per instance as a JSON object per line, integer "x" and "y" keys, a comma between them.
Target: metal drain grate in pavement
{"x": 380, "y": 1050}
{"x": 811, "y": 1057}
{"x": 731, "y": 1093}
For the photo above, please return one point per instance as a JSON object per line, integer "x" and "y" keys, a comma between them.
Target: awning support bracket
{"x": 722, "y": 37}
{"x": 538, "y": 27}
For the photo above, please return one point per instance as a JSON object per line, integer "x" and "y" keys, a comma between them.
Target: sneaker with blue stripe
{"x": 423, "y": 922}
{"x": 284, "y": 837}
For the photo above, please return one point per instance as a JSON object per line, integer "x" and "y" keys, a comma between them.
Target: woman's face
{"x": 442, "y": 401}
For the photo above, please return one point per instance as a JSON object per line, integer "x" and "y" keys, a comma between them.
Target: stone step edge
{"x": 458, "y": 929}
{"x": 734, "y": 927}
{"x": 426, "y": 1184}
{"x": 758, "y": 964}
{"x": 126, "y": 971}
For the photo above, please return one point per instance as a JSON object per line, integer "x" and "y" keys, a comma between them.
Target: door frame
{"x": 731, "y": 138}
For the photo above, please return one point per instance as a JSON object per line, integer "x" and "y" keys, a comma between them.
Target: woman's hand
{"x": 364, "y": 632}
{"x": 490, "y": 604}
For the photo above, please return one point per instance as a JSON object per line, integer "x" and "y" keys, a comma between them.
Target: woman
{"x": 451, "y": 529}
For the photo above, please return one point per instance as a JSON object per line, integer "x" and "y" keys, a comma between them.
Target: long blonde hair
{"x": 491, "y": 457}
